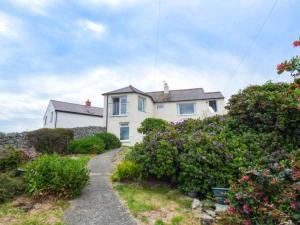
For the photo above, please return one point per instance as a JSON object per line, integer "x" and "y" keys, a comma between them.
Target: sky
{"x": 76, "y": 50}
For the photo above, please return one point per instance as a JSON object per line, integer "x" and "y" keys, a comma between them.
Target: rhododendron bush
{"x": 270, "y": 196}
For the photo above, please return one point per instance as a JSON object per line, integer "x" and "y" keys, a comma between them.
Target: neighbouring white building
{"x": 69, "y": 115}
{"x": 126, "y": 108}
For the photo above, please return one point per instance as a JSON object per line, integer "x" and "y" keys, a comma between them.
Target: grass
{"x": 157, "y": 204}
{"x": 46, "y": 212}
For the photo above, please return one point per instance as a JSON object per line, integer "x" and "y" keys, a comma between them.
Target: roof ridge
{"x": 185, "y": 89}
{"x": 52, "y": 100}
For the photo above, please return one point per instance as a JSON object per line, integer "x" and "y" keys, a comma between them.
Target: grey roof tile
{"x": 173, "y": 96}
{"x": 77, "y": 108}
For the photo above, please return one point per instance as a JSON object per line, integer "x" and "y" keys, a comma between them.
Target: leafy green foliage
{"x": 50, "y": 140}
{"x": 10, "y": 158}
{"x": 56, "y": 175}
{"x": 10, "y": 187}
{"x": 127, "y": 171}
{"x": 110, "y": 140}
{"x": 86, "y": 145}
{"x": 152, "y": 124}
{"x": 266, "y": 108}
{"x": 262, "y": 129}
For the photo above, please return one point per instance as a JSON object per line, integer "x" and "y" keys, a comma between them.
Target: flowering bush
{"x": 269, "y": 196}
{"x": 293, "y": 65}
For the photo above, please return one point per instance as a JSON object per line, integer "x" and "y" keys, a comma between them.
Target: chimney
{"x": 88, "y": 103}
{"x": 166, "y": 88}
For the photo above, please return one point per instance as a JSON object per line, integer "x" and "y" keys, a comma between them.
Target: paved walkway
{"x": 98, "y": 204}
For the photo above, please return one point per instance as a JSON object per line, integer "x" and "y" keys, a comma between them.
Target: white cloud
{"x": 95, "y": 28}
{"x": 114, "y": 3}
{"x": 9, "y": 26}
{"x": 37, "y": 6}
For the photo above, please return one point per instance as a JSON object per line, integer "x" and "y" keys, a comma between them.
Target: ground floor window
{"x": 124, "y": 131}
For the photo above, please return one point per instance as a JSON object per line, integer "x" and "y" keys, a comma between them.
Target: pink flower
{"x": 294, "y": 205}
{"x": 246, "y": 209}
{"x": 245, "y": 178}
{"x": 296, "y": 43}
{"x": 231, "y": 210}
{"x": 246, "y": 222}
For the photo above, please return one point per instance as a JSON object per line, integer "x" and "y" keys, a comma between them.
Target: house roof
{"x": 77, "y": 108}
{"x": 184, "y": 95}
{"x": 173, "y": 96}
{"x": 129, "y": 89}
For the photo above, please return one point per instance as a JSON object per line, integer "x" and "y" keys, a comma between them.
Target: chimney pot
{"x": 88, "y": 103}
{"x": 166, "y": 88}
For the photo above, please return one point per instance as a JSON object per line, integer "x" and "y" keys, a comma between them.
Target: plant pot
{"x": 20, "y": 172}
{"x": 220, "y": 194}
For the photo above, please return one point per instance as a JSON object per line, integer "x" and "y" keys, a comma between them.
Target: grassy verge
{"x": 25, "y": 211}
{"x": 157, "y": 204}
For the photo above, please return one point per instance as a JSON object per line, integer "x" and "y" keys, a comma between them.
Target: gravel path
{"x": 98, "y": 204}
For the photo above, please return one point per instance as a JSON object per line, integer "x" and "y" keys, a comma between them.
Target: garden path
{"x": 98, "y": 204}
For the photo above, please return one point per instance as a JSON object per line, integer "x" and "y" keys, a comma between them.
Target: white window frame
{"x": 120, "y": 105}
{"x": 186, "y": 114}
{"x": 126, "y": 125}
{"x": 143, "y": 100}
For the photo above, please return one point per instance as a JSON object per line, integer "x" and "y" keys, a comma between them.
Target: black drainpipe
{"x": 55, "y": 119}
{"x": 106, "y": 113}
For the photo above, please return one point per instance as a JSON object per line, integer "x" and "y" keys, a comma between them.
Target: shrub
{"x": 50, "y": 140}
{"x": 86, "y": 145}
{"x": 56, "y": 175}
{"x": 153, "y": 124}
{"x": 267, "y": 196}
{"x": 156, "y": 156}
{"x": 110, "y": 140}
{"x": 127, "y": 171}
{"x": 266, "y": 108}
{"x": 10, "y": 158}
{"x": 10, "y": 187}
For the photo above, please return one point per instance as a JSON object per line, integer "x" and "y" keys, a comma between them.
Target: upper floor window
{"x": 186, "y": 108}
{"x": 119, "y": 105}
{"x": 141, "y": 104}
{"x": 160, "y": 106}
{"x": 213, "y": 105}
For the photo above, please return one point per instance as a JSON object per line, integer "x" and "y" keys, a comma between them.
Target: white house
{"x": 126, "y": 108}
{"x": 69, "y": 115}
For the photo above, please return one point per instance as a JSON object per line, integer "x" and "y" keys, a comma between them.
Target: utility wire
{"x": 260, "y": 29}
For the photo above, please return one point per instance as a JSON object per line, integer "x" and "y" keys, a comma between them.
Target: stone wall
{"x": 80, "y": 132}
{"x": 18, "y": 140}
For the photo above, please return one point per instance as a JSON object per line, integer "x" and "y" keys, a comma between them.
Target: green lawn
{"x": 157, "y": 204}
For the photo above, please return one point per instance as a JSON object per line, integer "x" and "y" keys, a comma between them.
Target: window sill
{"x": 125, "y": 141}
{"x": 187, "y": 114}
{"x": 119, "y": 115}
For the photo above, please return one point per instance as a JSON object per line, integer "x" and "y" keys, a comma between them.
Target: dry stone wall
{"x": 18, "y": 140}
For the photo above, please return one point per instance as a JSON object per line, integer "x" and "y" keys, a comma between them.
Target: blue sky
{"x": 75, "y": 50}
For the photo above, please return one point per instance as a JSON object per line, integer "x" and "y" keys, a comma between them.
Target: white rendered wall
{"x": 169, "y": 110}
{"x": 47, "y": 117}
{"x": 71, "y": 120}
{"x": 134, "y": 117}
